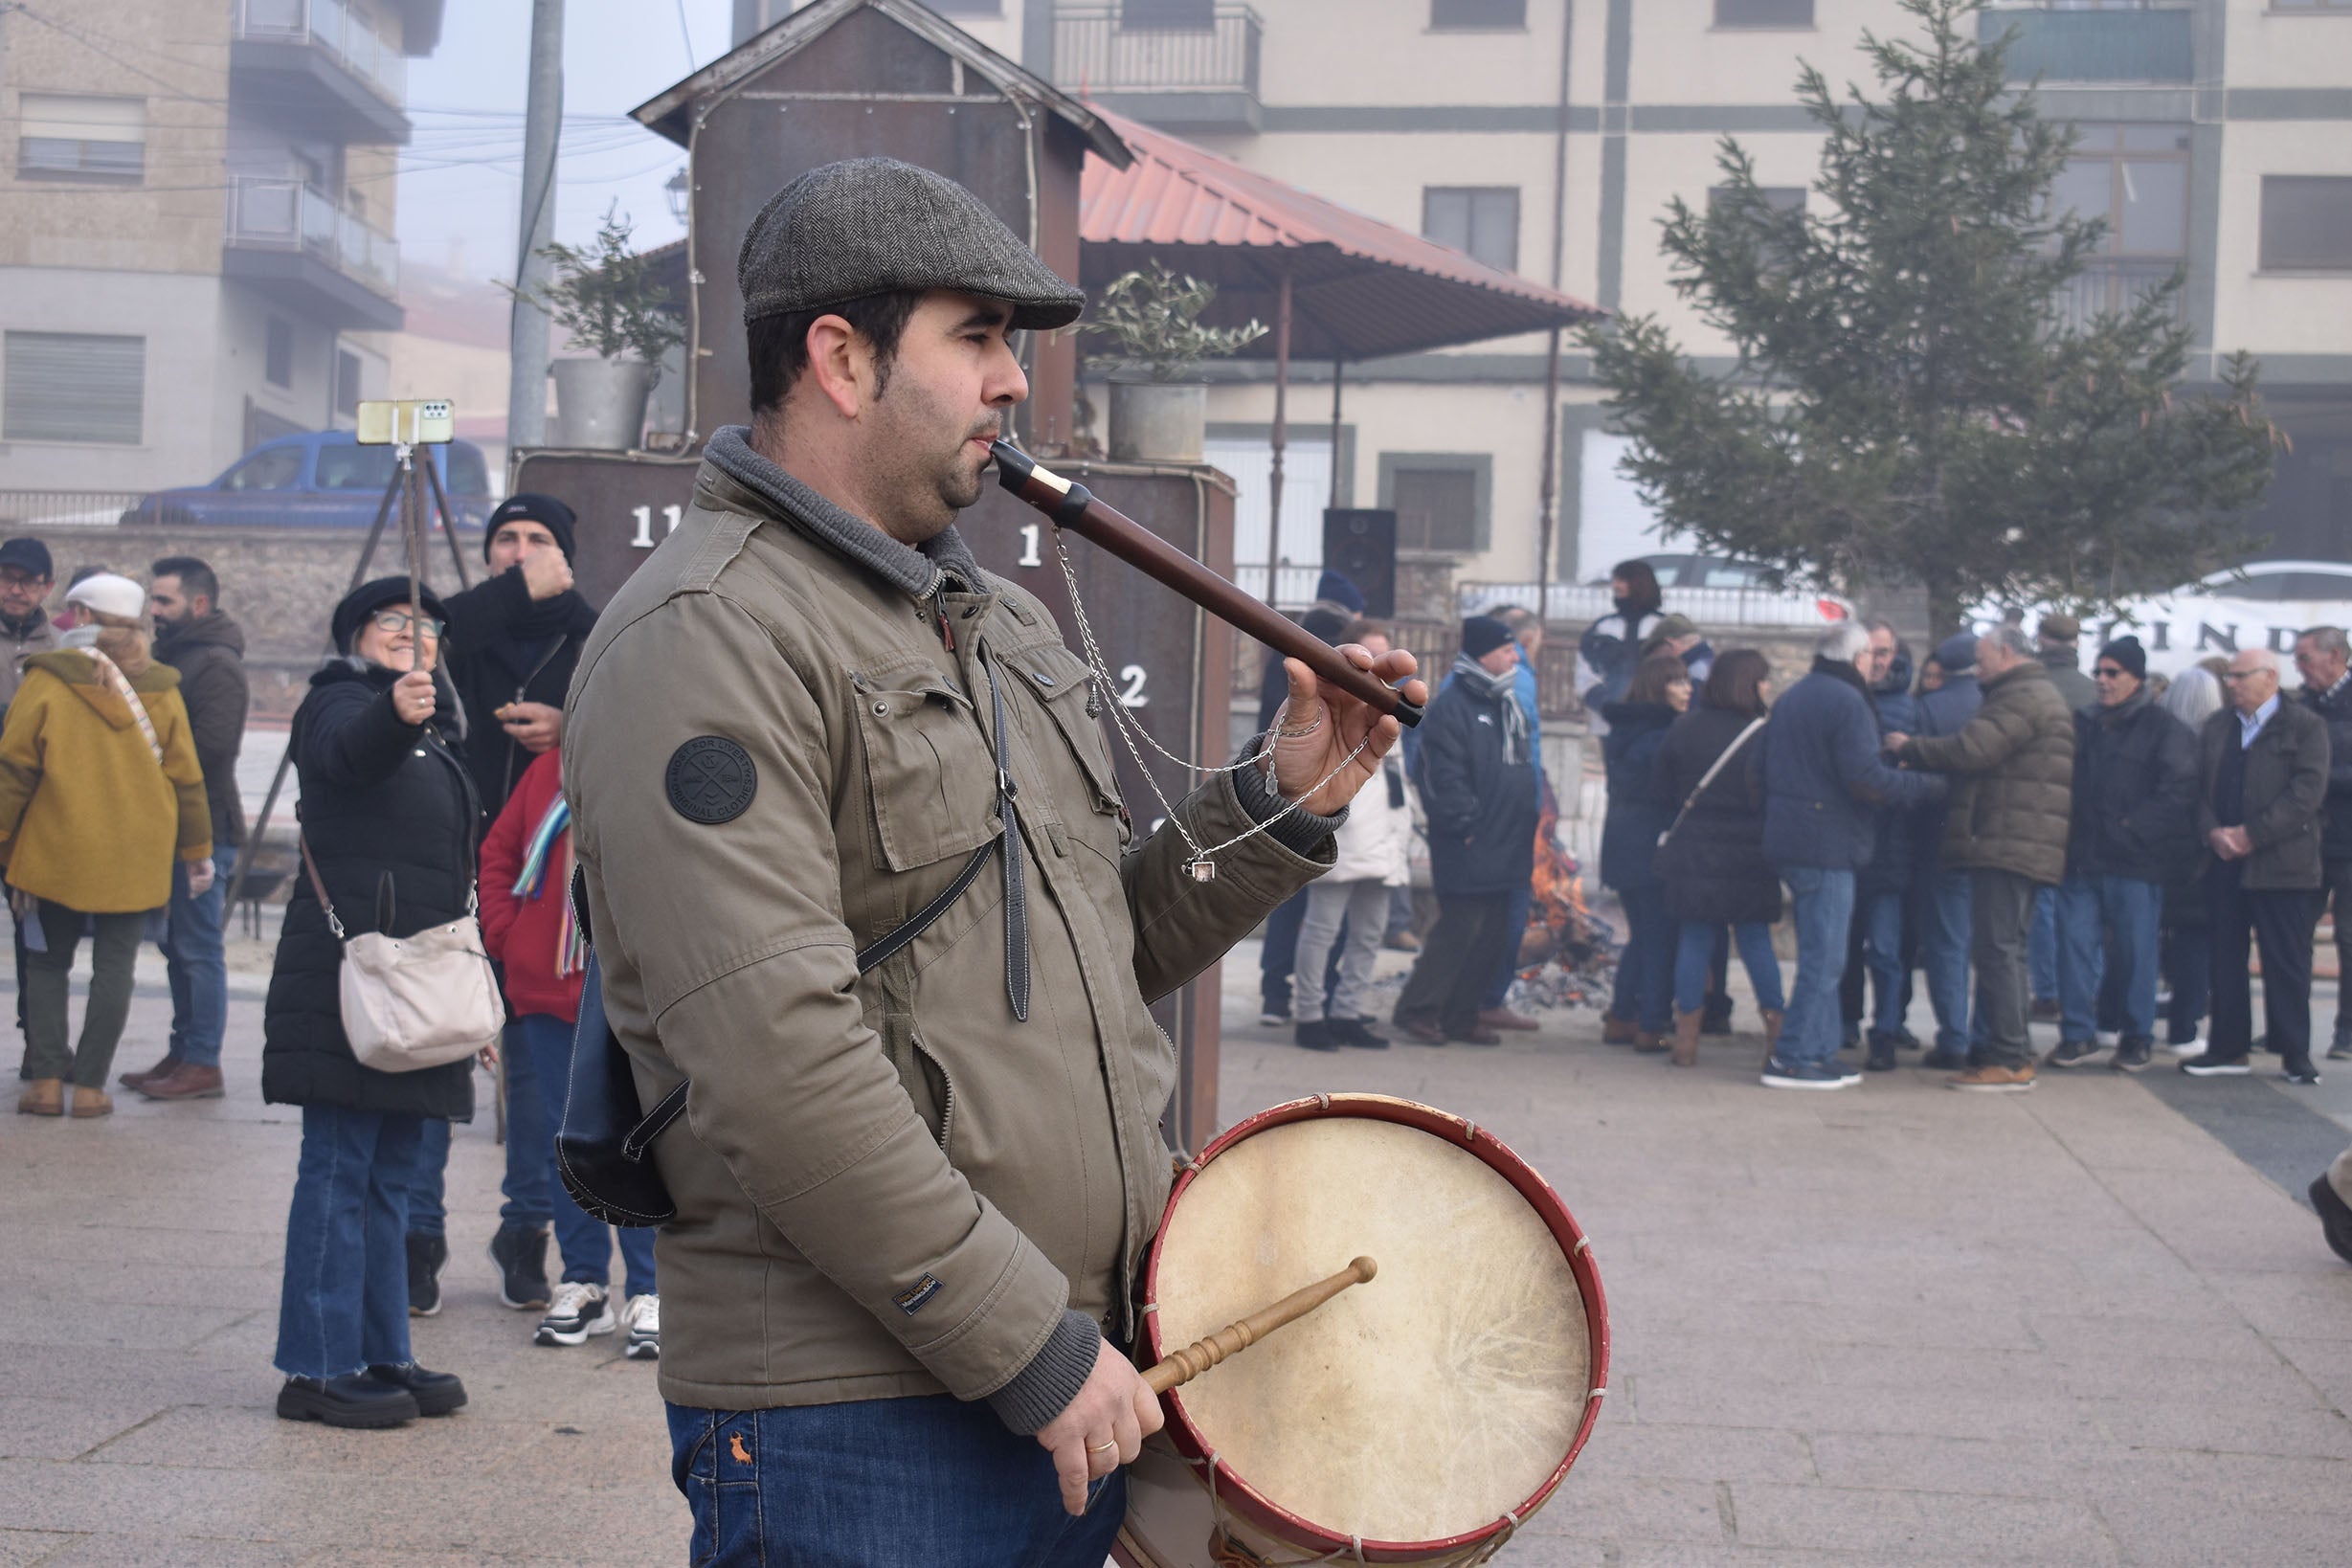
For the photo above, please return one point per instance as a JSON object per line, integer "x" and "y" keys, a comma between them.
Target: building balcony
{"x": 2140, "y": 44}
{"x": 1191, "y": 69}
{"x": 2113, "y": 284}
{"x": 317, "y": 67}
{"x": 330, "y": 265}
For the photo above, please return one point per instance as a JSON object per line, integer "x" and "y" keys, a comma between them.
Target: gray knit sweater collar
{"x": 942, "y": 562}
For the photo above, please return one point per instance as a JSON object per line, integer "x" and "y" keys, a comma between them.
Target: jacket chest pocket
{"x": 928, "y": 766}
{"x": 1058, "y": 678}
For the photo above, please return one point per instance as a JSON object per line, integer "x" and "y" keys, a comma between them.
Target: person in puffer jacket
{"x": 528, "y": 926}
{"x": 1374, "y": 848}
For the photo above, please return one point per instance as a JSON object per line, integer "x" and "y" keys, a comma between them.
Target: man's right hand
{"x": 1103, "y": 1428}
{"x": 546, "y": 574}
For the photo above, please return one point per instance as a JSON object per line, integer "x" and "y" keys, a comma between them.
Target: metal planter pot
{"x": 1157, "y": 421}
{"x": 600, "y": 403}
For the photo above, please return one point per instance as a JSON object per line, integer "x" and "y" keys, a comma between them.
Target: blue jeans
{"x": 1881, "y": 916}
{"x": 1695, "y": 955}
{"x": 1645, "y": 970}
{"x": 525, "y": 1182}
{"x": 928, "y": 1480}
{"x": 194, "y": 960}
{"x": 1824, "y": 909}
{"x": 1944, "y": 948}
{"x": 1507, "y": 969}
{"x": 2089, "y": 908}
{"x": 345, "y": 1302}
{"x": 2042, "y": 946}
{"x": 586, "y": 1244}
{"x": 1277, "y": 952}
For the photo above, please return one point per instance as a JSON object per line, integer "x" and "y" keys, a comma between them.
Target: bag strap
{"x": 112, "y": 673}
{"x": 1709, "y": 776}
{"x": 318, "y": 884}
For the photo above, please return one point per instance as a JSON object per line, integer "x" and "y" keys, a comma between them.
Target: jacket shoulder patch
{"x": 711, "y": 780}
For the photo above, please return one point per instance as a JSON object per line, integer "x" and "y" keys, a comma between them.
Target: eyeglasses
{"x": 400, "y": 620}
{"x": 2108, "y": 672}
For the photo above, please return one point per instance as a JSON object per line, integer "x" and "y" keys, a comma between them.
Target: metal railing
{"x": 335, "y": 28}
{"x": 64, "y": 508}
{"x": 274, "y": 215}
{"x": 2060, "y": 43}
{"x": 1577, "y": 605}
{"x": 1094, "y": 48}
{"x": 2114, "y": 284}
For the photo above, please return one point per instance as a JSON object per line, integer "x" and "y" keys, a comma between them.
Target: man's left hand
{"x": 1301, "y": 761}
{"x": 536, "y": 725}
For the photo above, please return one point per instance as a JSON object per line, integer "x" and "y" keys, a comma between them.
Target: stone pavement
{"x": 1893, "y": 1325}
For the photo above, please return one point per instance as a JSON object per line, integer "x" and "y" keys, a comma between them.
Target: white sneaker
{"x": 2194, "y": 1046}
{"x": 643, "y": 1318}
{"x": 574, "y": 1311}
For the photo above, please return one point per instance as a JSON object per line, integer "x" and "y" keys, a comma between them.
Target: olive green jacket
{"x": 2013, "y": 788}
{"x": 886, "y": 1184}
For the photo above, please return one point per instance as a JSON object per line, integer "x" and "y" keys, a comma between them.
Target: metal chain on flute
{"x": 1202, "y": 866}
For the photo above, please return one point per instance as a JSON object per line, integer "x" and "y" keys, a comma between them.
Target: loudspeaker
{"x": 1360, "y": 544}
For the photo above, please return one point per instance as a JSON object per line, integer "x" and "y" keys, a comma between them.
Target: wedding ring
{"x": 1100, "y": 1447}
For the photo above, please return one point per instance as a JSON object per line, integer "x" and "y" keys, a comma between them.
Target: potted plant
{"x": 604, "y": 297}
{"x": 1152, "y": 322}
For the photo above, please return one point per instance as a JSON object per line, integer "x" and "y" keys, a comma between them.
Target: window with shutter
{"x": 2306, "y": 223}
{"x": 1436, "y": 509}
{"x": 73, "y": 387}
{"x": 65, "y": 137}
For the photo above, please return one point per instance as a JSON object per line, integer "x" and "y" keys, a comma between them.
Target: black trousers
{"x": 2338, "y": 891}
{"x": 2281, "y": 924}
{"x": 1457, "y": 959}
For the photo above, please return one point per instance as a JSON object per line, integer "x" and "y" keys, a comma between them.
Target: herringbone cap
{"x": 875, "y": 225}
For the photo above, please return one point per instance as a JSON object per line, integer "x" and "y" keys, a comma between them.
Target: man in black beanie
{"x": 2134, "y": 828}
{"x": 1476, "y": 774}
{"x": 513, "y": 642}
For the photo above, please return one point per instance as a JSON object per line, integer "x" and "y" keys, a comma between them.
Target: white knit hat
{"x": 109, "y": 595}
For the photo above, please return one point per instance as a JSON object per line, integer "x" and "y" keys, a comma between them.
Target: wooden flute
{"x": 1075, "y": 507}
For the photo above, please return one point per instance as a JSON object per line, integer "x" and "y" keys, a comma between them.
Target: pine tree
{"x": 1911, "y": 403}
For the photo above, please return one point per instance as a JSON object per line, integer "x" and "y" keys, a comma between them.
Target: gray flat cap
{"x": 874, "y": 226}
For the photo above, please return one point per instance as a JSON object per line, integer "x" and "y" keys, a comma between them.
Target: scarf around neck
{"x": 919, "y": 571}
{"x": 1503, "y": 690}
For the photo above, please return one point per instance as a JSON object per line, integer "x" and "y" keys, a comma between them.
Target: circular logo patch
{"x": 711, "y": 780}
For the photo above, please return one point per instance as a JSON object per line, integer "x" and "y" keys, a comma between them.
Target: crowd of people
{"x": 430, "y": 787}
{"x": 2023, "y": 840}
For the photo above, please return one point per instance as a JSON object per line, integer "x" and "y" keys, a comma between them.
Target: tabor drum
{"x": 1419, "y": 1417}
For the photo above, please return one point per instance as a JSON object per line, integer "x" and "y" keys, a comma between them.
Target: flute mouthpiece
{"x": 1014, "y": 466}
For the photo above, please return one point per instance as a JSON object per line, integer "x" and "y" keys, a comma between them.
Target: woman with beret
{"x": 388, "y": 814}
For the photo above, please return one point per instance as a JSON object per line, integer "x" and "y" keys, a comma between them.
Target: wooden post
{"x": 1548, "y": 505}
{"x": 1282, "y": 393}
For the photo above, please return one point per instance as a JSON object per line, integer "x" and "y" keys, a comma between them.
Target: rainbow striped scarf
{"x": 529, "y": 883}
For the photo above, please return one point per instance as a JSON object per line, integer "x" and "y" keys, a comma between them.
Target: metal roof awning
{"x": 1359, "y": 288}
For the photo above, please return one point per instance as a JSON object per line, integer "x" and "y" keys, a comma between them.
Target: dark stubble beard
{"x": 934, "y": 478}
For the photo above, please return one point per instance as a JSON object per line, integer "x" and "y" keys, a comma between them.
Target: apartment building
{"x": 197, "y": 223}
{"x": 1548, "y": 135}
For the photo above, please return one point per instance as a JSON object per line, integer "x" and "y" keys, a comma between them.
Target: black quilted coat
{"x": 1715, "y": 866}
{"x": 388, "y": 811}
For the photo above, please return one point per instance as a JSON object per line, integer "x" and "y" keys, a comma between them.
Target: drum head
{"x": 1416, "y": 1408}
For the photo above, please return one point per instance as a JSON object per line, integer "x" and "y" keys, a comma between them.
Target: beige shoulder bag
{"x": 413, "y": 1001}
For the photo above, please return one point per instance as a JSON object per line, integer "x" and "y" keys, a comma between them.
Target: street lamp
{"x": 680, "y": 188}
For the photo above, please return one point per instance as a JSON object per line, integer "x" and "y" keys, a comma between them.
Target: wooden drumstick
{"x": 1196, "y": 1357}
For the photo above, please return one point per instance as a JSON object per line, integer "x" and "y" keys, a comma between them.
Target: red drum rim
{"x": 1236, "y": 1490}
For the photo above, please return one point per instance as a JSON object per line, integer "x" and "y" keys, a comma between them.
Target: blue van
{"x": 320, "y": 479}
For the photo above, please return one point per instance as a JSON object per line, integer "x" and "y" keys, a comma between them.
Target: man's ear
{"x": 841, "y": 365}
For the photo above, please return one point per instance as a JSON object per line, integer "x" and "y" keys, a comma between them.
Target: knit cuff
{"x": 1044, "y": 1388}
{"x": 1301, "y": 832}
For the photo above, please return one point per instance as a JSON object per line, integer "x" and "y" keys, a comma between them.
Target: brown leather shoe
{"x": 90, "y": 1103}
{"x": 1422, "y": 1032}
{"x": 133, "y": 1079}
{"x": 1616, "y": 1031}
{"x": 185, "y": 1081}
{"x": 1993, "y": 1080}
{"x": 1687, "y": 1037}
{"x": 42, "y": 1097}
{"x": 1647, "y": 1043}
{"x": 1503, "y": 1018}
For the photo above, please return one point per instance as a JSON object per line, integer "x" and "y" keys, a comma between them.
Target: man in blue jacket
{"x": 1942, "y": 898}
{"x": 1824, "y": 785}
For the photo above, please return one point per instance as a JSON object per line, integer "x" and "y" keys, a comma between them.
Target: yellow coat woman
{"x": 98, "y": 788}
